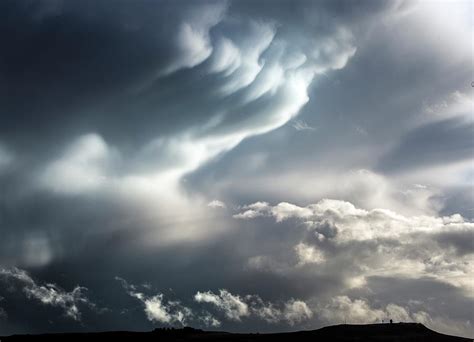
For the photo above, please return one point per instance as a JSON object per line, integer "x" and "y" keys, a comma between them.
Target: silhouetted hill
{"x": 402, "y": 332}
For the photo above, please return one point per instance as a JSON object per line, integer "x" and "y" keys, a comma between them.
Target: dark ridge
{"x": 403, "y": 332}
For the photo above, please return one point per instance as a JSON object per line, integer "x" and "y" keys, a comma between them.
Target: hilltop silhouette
{"x": 402, "y": 332}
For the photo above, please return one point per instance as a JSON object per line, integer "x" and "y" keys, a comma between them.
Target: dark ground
{"x": 338, "y": 333}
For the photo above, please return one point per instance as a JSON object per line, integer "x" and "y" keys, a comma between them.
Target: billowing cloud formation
{"x": 216, "y": 204}
{"x": 232, "y": 307}
{"x": 157, "y": 309}
{"x": 342, "y": 308}
{"x": 131, "y": 133}
{"x": 235, "y": 307}
{"x": 256, "y": 73}
{"x": 345, "y": 309}
{"x": 48, "y": 294}
{"x": 398, "y": 245}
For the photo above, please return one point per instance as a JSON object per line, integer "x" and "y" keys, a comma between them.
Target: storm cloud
{"x": 241, "y": 165}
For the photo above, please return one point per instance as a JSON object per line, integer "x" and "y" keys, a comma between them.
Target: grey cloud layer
{"x": 131, "y": 133}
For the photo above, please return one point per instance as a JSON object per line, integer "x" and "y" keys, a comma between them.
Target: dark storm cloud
{"x": 90, "y": 89}
{"x": 120, "y": 123}
{"x": 463, "y": 242}
{"x": 69, "y": 68}
{"x": 435, "y": 143}
{"x": 63, "y": 70}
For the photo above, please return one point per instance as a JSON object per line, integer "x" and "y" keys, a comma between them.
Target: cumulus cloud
{"x": 215, "y": 204}
{"x": 296, "y": 311}
{"x": 231, "y": 305}
{"x": 360, "y": 311}
{"x": 157, "y": 309}
{"x": 353, "y": 223}
{"x": 344, "y": 309}
{"x": 308, "y": 254}
{"x": 49, "y": 294}
{"x": 400, "y": 245}
{"x": 143, "y": 120}
{"x": 224, "y": 304}
{"x": 235, "y": 307}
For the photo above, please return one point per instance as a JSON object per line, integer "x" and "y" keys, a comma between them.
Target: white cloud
{"x": 193, "y": 42}
{"x": 406, "y": 246}
{"x": 356, "y": 224}
{"x": 82, "y": 167}
{"x": 332, "y": 53}
{"x": 210, "y": 321}
{"x": 301, "y": 125}
{"x": 296, "y": 311}
{"x": 258, "y": 38}
{"x": 231, "y": 305}
{"x": 235, "y": 307}
{"x": 237, "y": 54}
{"x": 157, "y": 309}
{"x": 456, "y": 105}
{"x": 216, "y": 204}
{"x": 344, "y": 309}
{"x": 252, "y": 210}
{"x": 226, "y": 57}
{"x": 361, "y": 187}
{"x": 50, "y": 294}
{"x": 291, "y": 312}
{"x": 308, "y": 254}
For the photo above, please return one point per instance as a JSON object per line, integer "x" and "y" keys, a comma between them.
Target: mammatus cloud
{"x": 257, "y": 102}
{"x": 400, "y": 246}
{"x": 193, "y": 42}
{"x": 258, "y": 77}
{"x": 48, "y": 294}
{"x": 139, "y": 127}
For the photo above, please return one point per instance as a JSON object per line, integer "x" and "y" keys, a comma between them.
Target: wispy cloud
{"x": 49, "y": 294}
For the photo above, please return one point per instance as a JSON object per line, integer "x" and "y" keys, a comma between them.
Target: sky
{"x": 236, "y": 165}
